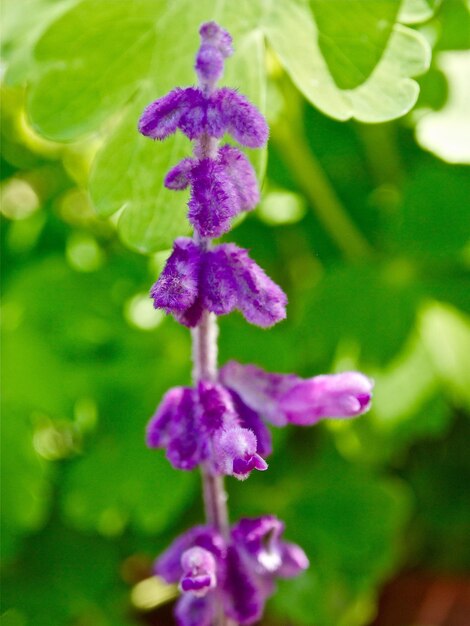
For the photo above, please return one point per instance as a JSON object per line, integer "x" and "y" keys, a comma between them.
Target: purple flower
{"x": 202, "y": 425}
{"x": 286, "y": 398}
{"x": 195, "y": 114}
{"x": 219, "y": 280}
{"x": 198, "y": 567}
{"x": 241, "y": 573}
{"x": 220, "y": 189}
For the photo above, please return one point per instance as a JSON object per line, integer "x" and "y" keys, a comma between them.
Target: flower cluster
{"x": 239, "y": 573}
{"x": 221, "y": 422}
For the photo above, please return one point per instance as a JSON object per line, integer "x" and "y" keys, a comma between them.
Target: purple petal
{"x": 243, "y": 597}
{"x": 193, "y": 120}
{"x": 235, "y": 452}
{"x": 241, "y": 118}
{"x": 258, "y": 389}
{"x": 216, "y": 407}
{"x": 293, "y": 560}
{"x": 213, "y": 200}
{"x": 250, "y": 419}
{"x": 191, "y": 316}
{"x": 193, "y": 611}
{"x": 259, "y": 538}
{"x": 179, "y": 176}
{"x": 160, "y": 427}
{"x": 232, "y": 280}
{"x": 177, "y": 288}
{"x": 199, "y": 571}
{"x": 242, "y": 175}
{"x": 168, "y": 565}
{"x": 162, "y": 117}
{"x": 335, "y": 395}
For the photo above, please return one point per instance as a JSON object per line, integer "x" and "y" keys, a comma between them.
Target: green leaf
{"x": 386, "y": 90}
{"x": 134, "y": 52}
{"x": 349, "y": 522}
{"x": 370, "y": 310}
{"x": 26, "y": 493}
{"x": 416, "y": 11}
{"x": 351, "y": 53}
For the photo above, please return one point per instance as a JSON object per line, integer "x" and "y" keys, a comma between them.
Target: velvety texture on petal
{"x": 216, "y": 407}
{"x": 242, "y": 176}
{"x": 178, "y": 286}
{"x": 235, "y": 452}
{"x": 213, "y": 201}
{"x": 175, "y": 427}
{"x": 162, "y": 117}
{"x": 193, "y": 611}
{"x": 199, "y": 571}
{"x": 285, "y": 398}
{"x": 179, "y": 176}
{"x": 241, "y": 118}
{"x": 232, "y": 280}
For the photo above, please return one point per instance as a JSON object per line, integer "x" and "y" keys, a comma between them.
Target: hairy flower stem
{"x": 204, "y": 338}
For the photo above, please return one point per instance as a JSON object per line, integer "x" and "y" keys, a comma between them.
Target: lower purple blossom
{"x": 219, "y": 280}
{"x": 239, "y": 574}
{"x": 202, "y": 425}
{"x": 285, "y": 398}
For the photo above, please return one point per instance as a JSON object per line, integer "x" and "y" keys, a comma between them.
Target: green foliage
{"x": 87, "y": 359}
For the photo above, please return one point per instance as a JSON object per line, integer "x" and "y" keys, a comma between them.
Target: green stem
{"x": 312, "y": 179}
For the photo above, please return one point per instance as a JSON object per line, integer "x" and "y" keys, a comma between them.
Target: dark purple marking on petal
{"x": 179, "y": 176}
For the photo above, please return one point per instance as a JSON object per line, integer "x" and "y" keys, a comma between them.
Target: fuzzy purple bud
{"x": 235, "y": 452}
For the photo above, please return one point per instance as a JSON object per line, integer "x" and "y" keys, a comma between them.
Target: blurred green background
{"x": 366, "y": 227}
